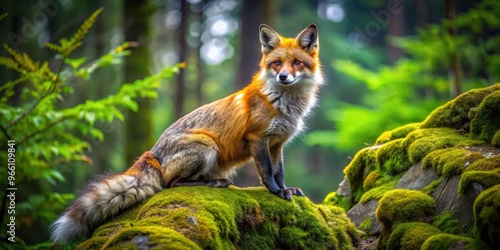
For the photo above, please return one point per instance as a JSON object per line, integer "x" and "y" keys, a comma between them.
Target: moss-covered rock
{"x": 449, "y": 159}
{"x": 423, "y": 141}
{"x": 449, "y": 162}
{"x": 410, "y": 236}
{"x": 397, "y": 133}
{"x": 227, "y": 218}
{"x": 401, "y": 205}
{"x": 486, "y": 179}
{"x": 455, "y": 113}
{"x": 487, "y": 216}
{"x": 486, "y": 121}
{"x": 449, "y": 241}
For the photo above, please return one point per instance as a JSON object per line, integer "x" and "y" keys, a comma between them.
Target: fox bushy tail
{"x": 106, "y": 197}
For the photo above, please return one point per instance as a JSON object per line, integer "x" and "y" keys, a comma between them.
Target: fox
{"x": 206, "y": 146}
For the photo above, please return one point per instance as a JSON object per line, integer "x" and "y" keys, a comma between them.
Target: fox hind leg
{"x": 194, "y": 163}
{"x": 216, "y": 183}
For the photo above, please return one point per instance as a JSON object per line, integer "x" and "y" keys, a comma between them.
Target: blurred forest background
{"x": 387, "y": 63}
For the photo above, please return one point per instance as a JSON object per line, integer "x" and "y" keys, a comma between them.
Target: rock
{"x": 487, "y": 216}
{"x": 226, "y": 218}
{"x": 442, "y": 173}
{"x": 360, "y": 213}
{"x": 417, "y": 178}
{"x": 447, "y": 199}
{"x": 344, "y": 189}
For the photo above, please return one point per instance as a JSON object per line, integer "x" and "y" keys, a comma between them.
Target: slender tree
{"x": 456, "y": 87}
{"x": 138, "y": 128}
{"x": 253, "y": 13}
{"x": 180, "y": 94}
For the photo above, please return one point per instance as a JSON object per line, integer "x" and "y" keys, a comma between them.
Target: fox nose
{"x": 283, "y": 76}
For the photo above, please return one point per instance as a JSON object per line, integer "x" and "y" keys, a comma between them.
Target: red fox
{"x": 206, "y": 146}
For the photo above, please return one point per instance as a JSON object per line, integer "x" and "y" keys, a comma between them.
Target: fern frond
{"x": 66, "y": 46}
{"x": 9, "y": 63}
{"x": 23, "y": 60}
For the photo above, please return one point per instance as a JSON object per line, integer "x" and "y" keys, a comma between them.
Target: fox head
{"x": 288, "y": 61}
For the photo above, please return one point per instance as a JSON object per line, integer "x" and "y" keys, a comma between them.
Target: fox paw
{"x": 219, "y": 183}
{"x": 287, "y": 193}
{"x": 296, "y": 191}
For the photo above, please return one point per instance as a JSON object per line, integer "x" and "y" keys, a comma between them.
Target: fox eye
{"x": 297, "y": 62}
{"x": 277, "y": 63}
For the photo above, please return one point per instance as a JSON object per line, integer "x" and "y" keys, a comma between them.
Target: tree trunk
{"x": 254, "y": 13}
{"x": 456, "y": 88}
{"x": 422, "y": 13}
{"x": 396, "y": 29}
{"x": 180, "y": 94}
{"x": 138, "y": 128}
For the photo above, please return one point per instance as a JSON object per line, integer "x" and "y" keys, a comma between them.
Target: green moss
{"x": 403, "y": 131}
{"x": 485, "y": 164}
{"x": 363, "y": 162}
{"x": 334, "y": 199}
{"x": 392, "y": 158}
{"x": 449, "y": 162}
{"x": 454, "y": 113}
{"x": 399, "y": 206}
{"x": 487, "y": 215}
{"x": 371, "y": 180}
{"x": 227, "y": 218}
{"x": 486, "y": 121}
{"x": 447, "y": 223}
{"x": 378, "y": 192}
{"x": 423, "y": 141}
{"x": 409, "y": 236}
{"x": 402, "y": 205}
{"x": 432, "y": 186}
{"x": 448, "y": 241}
{"x": 366, "y": 224}
{"x": 384, "y": 137}
{"x": 487, "y": 179}
{"x": 397, "y": 133}
{"x": 149, "y": 236}
{"x": 495, "y": 141}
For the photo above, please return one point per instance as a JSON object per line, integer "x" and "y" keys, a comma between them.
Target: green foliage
{"x": 66, "y": 46}
{"x": 407, "y": 91}
{"x": 49, "y": 137}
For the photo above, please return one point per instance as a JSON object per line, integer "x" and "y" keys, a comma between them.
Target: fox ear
{"x": 308, "y": 39}
{"x": 268, "y": 38}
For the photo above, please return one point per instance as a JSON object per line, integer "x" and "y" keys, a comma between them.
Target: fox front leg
{"x": 262, "y": 159}
{"x": 279, "y": 174}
